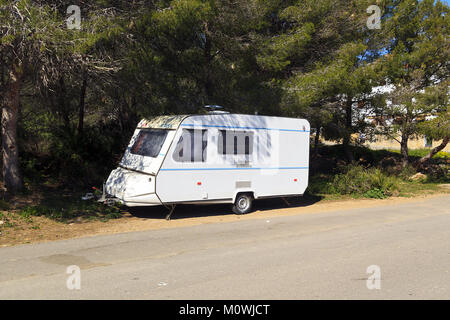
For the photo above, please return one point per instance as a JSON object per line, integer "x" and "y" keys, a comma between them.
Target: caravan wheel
{"x": 243, "y": 203}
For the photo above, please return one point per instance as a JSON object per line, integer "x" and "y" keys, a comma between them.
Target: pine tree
{"x": 416, "y": 65}
{"x": 37, "y": 45}
{"x": 438, "y": 127}
{"x": 321, "y": 60}
{"x": 28, "y": 30}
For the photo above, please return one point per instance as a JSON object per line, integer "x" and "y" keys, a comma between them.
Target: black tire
{"x": 242, "y": 204}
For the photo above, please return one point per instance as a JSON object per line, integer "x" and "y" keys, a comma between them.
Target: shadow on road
{"x": 184, "y": 211}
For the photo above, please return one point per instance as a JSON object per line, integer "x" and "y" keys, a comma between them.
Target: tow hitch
{"x": 104, "y": 198}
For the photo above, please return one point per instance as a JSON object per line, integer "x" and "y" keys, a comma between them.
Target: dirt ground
{"x": 40, "y": 229}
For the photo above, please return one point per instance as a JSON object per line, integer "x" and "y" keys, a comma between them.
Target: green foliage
{"x": 419, "y": 153}
{"x": 439, "y": 127}
{"x": 73, "y": 210}
{"x": 375, "y": 194}
{"x": 370, "y": 182}
{"x": 376, "y": 174}
{"x": 417, "y": 45}
{"x": 8, "y": 222}
{"x": 319, "y": 184}
{"x": 405, "y": 172}
{"x": 194, "y": 53}
{"x": 323, "y": 60}
{"x": 443, "y": 155}
{"x": 88, "y": 159}
{"x": 4, "y": 205}
{"x": 62, "y": 155}
{"x": 280, "y": 51}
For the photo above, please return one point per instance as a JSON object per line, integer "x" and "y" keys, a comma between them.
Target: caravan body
{"x": 212, "y": 159}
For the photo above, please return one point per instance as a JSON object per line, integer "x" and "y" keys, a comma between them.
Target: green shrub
{"x": 442, "y": 155}
{"x": 375, "y": 194}
{"x": 4, "y": 205}
{"x": 319, "y": 184}
{"x": 370, "y": 182}
{"x": 407, "y": 172}
{"x": 64, "y": 157}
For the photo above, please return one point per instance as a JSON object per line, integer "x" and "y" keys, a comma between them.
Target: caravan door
{"x": 182, "y": 178}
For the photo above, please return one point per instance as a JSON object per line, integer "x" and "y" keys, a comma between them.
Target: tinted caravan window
{"x": 235, "y": 142}
{"x": 191, "y": 146}
{"x": 149, "y": 142}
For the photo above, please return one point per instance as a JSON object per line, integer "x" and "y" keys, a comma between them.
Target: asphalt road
{"x": 307, "y": 256}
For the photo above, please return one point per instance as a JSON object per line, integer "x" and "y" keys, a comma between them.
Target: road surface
{"x": 306, "y": 256}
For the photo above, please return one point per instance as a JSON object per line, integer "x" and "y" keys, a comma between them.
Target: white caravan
{"x": 213, "y": 158}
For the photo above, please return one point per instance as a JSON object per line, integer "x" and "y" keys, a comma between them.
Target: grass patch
{"x": 7, "y": 220}
{"x": 71, "y": 209}
{"x": 412, "y": 188}
{"x": 419, "y": 153}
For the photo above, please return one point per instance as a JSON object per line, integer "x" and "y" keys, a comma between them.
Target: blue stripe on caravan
{"x": 193, "y": 169}
{"x": 233, "y": 127}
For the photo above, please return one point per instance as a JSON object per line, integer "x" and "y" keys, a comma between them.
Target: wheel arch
{"x": 237, "y": 192}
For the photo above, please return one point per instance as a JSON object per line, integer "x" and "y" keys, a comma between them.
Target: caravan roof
{"x": 162, "y": 122}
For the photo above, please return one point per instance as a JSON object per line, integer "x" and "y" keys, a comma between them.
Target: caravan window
{"x": 149, "y": 142}
{"x": 191, "y": 146}
{"x": 235, "y": 142}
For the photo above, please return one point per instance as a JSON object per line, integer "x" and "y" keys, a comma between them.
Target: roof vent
{"x": 215, "y": 109}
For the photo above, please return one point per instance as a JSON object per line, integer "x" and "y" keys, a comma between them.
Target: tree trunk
{"x": 63, "y": 110}
{"x": 404, "y": 150}
{"x": 81, "y": 106}
{"x": 433, "y": 151}
{"x": 207, "y": 54}
{"x": 2, "y": 73}
{"x": 348, "y": 130}
{"x": 316, "y": 142}
{"x": 10, "y": 111}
